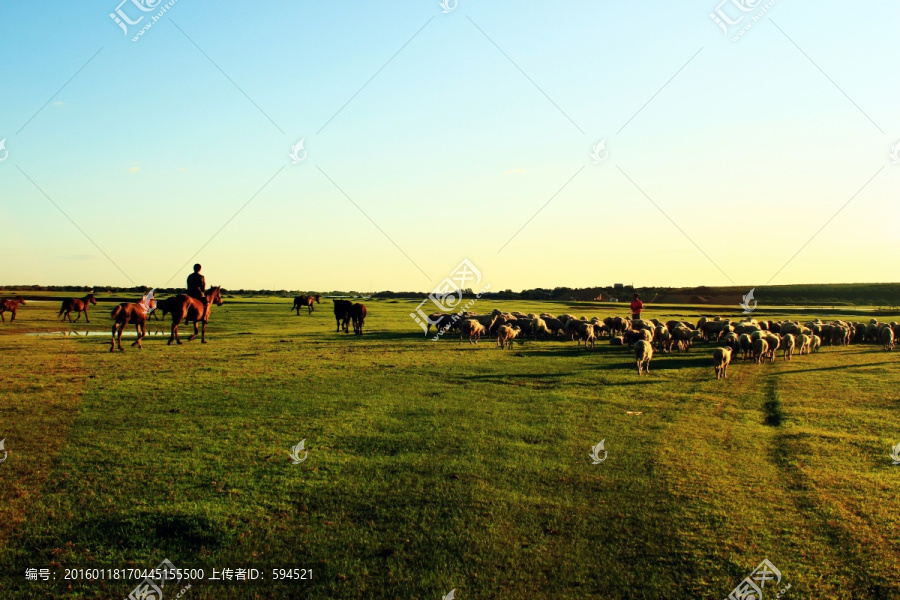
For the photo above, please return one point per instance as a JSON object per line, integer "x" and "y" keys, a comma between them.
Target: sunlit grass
{"x": 441, "y": 465}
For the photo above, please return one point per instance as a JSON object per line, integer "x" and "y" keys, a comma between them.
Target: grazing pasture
{"x": 439, "y": 465}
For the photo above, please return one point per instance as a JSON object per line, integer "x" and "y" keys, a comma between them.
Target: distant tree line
{"x": 843, "y": 294}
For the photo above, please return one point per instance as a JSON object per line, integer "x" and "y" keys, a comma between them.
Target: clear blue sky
{"x": 451, "y": 148}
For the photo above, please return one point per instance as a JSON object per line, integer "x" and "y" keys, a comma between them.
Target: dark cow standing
{"x": 358, "y": 316}
{"x": 342, "y": 314}
{"x": 301, "y": 301}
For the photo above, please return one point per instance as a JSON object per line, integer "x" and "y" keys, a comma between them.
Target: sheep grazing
{"x": 803, "y": 343}
{"x": 721, "y": 360}
{"x": 643, "y": 353}
{"x": 887, "y": 338}
{"x": 815, "y": 344}
{"x": 774, "y": 343}
{"x": 581, "y": 331}
{"x": 760, "y": 349}
{"x": 539, "y": 325}
{"x": 473, "y": 329}
{"x": 555, "y": 326}
{"x": 486, "y": 321}
{"x": 506, "y": 335}
{"x": 617, "y": 341}
{"x": 684, "y": 337}
{"x": 788, "y": 343}
{"x": 663, "y": 339}
{"x": 732, "y": 340}
{"x": 631, "y": 336}
{"x": 746, "y": 341}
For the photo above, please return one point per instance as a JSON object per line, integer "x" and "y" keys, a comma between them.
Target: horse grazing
{"x": 79, "y": 305}
{"x": 11, "y": 306}
{"x": 124, "y": 314}
{"x": 184, "y": 308}
{"x": 358, "y": 316}
{"x": 342, "y": 314}
{"x": 301, "y": 301}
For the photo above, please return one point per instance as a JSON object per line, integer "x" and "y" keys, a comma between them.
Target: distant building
{"x": 619, "y": 286}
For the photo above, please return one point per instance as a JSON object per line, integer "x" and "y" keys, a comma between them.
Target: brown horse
{"x": 342, "y": 314}
{"x": 301, "y": 301}
{"x": 358, "y": 316}
{"x": 11, "y": 306}
{"x": 79, "y": 305}
{"x": 124, "y": 314}
{"x": 184, "y": 308}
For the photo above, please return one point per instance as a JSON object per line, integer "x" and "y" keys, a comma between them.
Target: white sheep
{"x": 505, "y": 336}
{"x": 760, "y": 349}
{"x": 774, "y": 343}
{"x": 788, "y": 343}
{"x": 815, "y": 344}
{"x": 643, "y": 353}
{"x": 473, "y": 329}
{"x": 803, "y": 343}
{"x": 721, "y": 360}
{"x": 539, "y": 325}
{"x": 887, "y": 338}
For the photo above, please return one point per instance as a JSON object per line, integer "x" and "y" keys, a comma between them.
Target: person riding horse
{"x": 196, "y": 286}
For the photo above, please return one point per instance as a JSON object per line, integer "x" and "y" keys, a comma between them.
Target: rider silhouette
{"x": 196, "y": 286}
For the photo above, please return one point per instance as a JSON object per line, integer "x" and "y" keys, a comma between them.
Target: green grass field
{"x": 435, "y": 466}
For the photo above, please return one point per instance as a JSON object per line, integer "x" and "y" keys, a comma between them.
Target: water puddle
{"x": 127, "y": 333}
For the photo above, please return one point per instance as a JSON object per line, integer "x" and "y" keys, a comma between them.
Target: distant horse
{"x": 358, "y": 316}
{"x": 128, "y": 313}
{"x": 165, "y": 306}
{"x": 301, "y": 301}
{"x": 342, "y": 314}
{"x": 11, "y": 306}
{"x": 184, "y": 308}
{"x": 79, "y": 305}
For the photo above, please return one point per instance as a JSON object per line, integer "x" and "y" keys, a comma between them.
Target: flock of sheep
{"x": 752, "y": 339}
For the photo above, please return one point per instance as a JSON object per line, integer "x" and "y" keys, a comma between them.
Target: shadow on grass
{"x": 837, "y": 368}
{"x": 172, "y": 531}
{"x": 772, "y": 407}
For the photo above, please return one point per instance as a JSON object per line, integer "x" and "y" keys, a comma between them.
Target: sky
{"x": 433, "y": 137}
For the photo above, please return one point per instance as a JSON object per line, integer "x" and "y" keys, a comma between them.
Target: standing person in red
{"x": 636, "y": 307}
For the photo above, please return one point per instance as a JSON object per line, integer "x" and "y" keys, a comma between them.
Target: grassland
{"x": 435, "y": 465}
